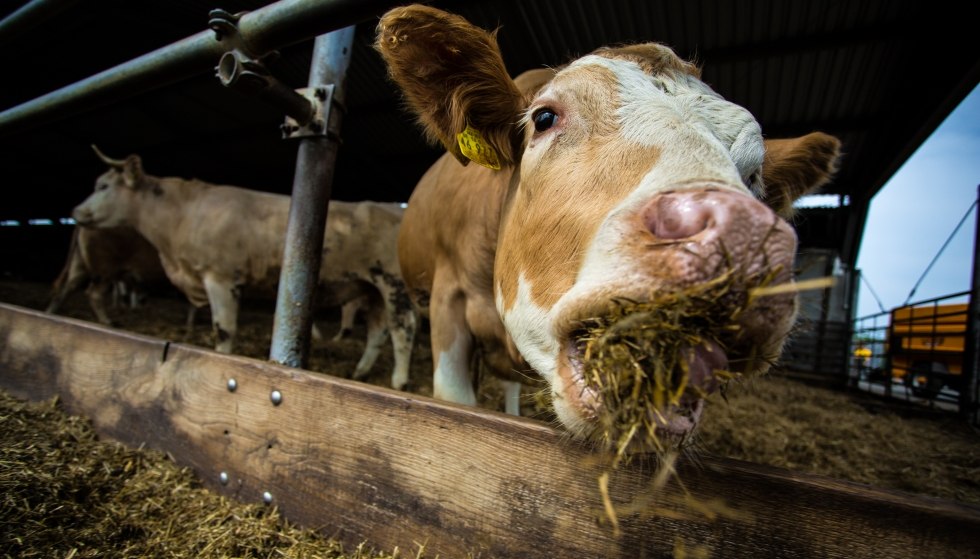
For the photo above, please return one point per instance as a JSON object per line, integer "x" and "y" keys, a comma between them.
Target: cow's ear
{"x": 453, "y": 77}
{"x": 795, "y": 166}
{"x": 132, "y": 171}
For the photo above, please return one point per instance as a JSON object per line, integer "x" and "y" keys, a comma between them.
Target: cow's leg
{"x": 223, "y": 300}
{"x": 402, "y": 324}
{"x": 512, "y": 397}
{"x": 348, "y": 312}
{"x": 452, "y": 346}
{"x": 191, "y": 318}
{"x": 374, "y": 315}
{"x": 76, "y": 277}
{"x": 118, "y": 293}
{"x": 98, "y": 291}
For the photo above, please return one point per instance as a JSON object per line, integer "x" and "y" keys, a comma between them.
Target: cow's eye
{"x": 102, "y": 186}
{"x": 544, "y": 119}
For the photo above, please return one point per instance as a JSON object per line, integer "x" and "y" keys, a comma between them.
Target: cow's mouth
{"x": 635, "y": 374}
{"x": 657, "y": 423}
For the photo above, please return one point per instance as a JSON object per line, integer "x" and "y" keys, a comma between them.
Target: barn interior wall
{"x": 819, "y": 344}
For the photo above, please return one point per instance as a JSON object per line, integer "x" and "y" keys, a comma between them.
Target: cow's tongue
{"x": 703, "y": 360}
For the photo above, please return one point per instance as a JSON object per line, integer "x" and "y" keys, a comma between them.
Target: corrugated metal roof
{"x": 879, "y": 74}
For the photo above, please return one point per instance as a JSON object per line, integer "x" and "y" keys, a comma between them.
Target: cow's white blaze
{"x": 703, "y": 135}
{"x": 530, "y": 326}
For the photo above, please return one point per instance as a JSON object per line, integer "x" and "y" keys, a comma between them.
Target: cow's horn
{"x": 106, "y": 159}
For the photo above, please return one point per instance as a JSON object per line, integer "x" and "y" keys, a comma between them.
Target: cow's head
{"x": 630, "y": 177}
{"x": 112, "y": 204}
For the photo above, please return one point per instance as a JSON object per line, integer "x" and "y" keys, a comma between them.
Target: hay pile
{"x": 784, "y": 423}
{"x": 66, "y": 494}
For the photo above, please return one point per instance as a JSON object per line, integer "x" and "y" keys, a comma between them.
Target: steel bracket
{"x": 324, "y": 103}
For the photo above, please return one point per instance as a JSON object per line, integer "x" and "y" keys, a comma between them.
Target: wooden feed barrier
{"x": 391, "y": 468}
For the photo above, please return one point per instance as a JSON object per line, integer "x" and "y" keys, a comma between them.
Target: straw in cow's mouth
{"x": 651, "y": 363}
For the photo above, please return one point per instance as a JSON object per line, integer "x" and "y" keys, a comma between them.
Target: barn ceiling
{"x": 879, "y": 74}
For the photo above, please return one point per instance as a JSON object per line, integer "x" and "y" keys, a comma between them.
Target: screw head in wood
{"x": 276, "y": 397}
{"x": 267, "y": 498}
{"x": 232, "y": 385}
{"x": 223, "y": 478}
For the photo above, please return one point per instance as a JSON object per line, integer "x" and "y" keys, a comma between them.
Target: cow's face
{"x": 635, "y": 179}
{"x": 113, "y": 202}
{"x": 631, "y": 178}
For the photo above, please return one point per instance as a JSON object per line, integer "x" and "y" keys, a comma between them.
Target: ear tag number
{"x": 476, "y": 148}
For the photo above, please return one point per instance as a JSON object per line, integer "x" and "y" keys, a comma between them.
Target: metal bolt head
{"x": 232, "y": 385}
{"x": 276, "y": 397}
{"x": 267, "y": 498}
{"x": 223, "y": 478}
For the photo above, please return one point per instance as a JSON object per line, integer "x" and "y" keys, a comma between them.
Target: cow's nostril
{"x": 675, "y": 216}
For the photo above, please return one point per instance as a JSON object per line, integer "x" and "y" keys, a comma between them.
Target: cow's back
{"x": 360, "y": 240}
{"x": 233, "y": 233}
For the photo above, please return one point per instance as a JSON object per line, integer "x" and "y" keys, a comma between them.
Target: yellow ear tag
{"x": 476, "y": 149}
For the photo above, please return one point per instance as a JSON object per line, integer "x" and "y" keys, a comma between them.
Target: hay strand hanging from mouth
{"x": 792, "y": 287}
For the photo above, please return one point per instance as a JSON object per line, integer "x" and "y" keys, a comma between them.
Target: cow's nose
{"x": 679, "y": 215}
{"x": 80, "y": 215}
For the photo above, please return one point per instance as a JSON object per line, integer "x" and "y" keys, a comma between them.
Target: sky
{"x": 917, "y": 210}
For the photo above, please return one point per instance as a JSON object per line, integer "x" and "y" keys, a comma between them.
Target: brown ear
{"x": 452, "y": 75}
{"x": 132, "y": 170}
{"x": 795, "y": 166}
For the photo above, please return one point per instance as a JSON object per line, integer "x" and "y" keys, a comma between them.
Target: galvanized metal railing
{"x": 236, "y": 45}
{"x": 914, "y": 353}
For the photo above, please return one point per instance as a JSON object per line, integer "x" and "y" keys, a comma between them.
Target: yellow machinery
{"x": 925, "y": 345}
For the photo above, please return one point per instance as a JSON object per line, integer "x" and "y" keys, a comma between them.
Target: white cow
{"x": 217, "y": 243}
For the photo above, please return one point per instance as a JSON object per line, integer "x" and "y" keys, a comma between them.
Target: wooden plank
{"x": 392, "y": 468}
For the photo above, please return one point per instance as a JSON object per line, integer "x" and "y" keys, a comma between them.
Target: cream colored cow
{"x": 218, "y": 243}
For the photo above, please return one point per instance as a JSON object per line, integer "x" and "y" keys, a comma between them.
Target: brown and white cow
{"x": 100, "y": 260}
{"x": 220, "y": 243}
{"x": 621, "y": 175}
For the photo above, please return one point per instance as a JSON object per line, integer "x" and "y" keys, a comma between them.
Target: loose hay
{"x": 784, "y": 423}
{"x": 67, "y": 494}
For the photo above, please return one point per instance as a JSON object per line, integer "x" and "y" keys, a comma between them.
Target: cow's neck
{"x": 162, "y": 208}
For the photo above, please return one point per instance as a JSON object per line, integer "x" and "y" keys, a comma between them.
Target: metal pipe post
{"x": 308, "y": 208}
{"x": 970, "y": 377}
